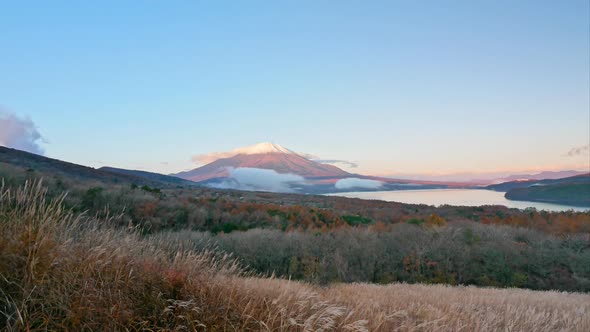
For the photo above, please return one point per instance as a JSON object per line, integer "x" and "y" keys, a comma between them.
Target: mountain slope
{"x": 21, "y": 161}
{"x": 264, "y": 156}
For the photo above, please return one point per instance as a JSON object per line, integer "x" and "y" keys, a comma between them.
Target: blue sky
{"x": 396, "y": 86}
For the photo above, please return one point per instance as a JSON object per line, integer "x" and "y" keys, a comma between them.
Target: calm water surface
{"x": 467, "y": 197}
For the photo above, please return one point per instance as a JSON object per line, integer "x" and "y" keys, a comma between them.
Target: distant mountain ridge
{"x": 474, "y": 178}
{"x": 547, "y": 175}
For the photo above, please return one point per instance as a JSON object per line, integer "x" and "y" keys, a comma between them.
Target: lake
{"x": 466, "y": 197}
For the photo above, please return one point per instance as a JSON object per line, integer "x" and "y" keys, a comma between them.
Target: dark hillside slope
{"x": 42, "y": 167}
{"x": 506, "y": 186}
{"x": 573, "y": 190}
{"x": 575, "y": 194}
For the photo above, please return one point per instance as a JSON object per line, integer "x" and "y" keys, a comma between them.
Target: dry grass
{"x": 64, "y": 272}
{"x": 400, "y": 307}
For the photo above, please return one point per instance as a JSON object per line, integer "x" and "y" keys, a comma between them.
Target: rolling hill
{"x": 40, "y": 166}
{"x": 575, "y": 194}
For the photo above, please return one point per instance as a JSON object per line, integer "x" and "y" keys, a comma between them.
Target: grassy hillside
{"x": 66, "y": 272}
{"x": 15, "y": 162}
{"x": 576, "y": 194}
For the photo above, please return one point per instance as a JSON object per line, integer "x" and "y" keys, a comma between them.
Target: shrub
{"x": 415, "y": 221}
{"x": 357, "y": 220}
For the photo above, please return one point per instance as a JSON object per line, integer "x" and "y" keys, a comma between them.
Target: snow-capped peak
{"x": 260, "y": 148}
{"x": 265, "y": 147}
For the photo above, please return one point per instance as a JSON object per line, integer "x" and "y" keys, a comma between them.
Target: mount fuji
{"x": 270, "y": 156}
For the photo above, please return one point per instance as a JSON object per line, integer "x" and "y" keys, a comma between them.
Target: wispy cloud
{"x": 579, "y": 151}
{"x": 337, "y": 161}
{"x": 308, "y": 155}
{"x": 258, "y": 179}
{"x": 351, "y": 183}
{"x": 19, "y": 133}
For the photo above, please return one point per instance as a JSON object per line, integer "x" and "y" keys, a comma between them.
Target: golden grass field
{"x": 59, "y": 271}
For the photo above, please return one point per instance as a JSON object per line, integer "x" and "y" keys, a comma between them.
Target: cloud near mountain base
{"x": 258, "y": 179}
{"x": 351, "y": 183}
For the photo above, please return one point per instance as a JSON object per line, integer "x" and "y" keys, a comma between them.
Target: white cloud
{"x": 350, "y": 183}
{"x": 19, "y": 133}
{"x": 258, "y": 179}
